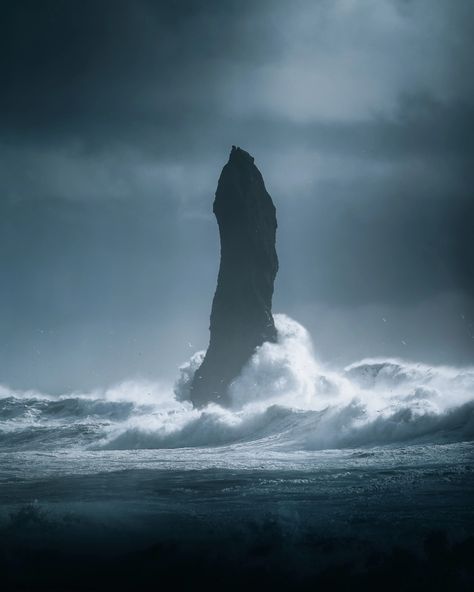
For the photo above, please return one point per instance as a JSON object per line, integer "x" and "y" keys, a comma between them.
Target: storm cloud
{"x": 116, "y": 118}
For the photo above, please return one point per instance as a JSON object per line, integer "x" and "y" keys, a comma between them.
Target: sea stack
{"x": 241, "y": 316}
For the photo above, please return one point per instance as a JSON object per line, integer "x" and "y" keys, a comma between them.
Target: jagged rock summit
{"x": 241, "y": 316}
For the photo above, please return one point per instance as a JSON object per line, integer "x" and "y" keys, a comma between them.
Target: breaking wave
{"x": 284, "y": 399}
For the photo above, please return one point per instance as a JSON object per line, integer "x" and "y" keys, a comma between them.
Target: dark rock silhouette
{"x": 241, "y": 317}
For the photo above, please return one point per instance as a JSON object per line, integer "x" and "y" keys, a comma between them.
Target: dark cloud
{"x": 115, "y": 71}
{"x": 115, "y": 119}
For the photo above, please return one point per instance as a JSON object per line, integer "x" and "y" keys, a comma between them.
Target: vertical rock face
{"x": 241, "y": 317}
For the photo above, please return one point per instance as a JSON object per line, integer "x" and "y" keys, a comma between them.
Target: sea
{"x": 316, "y": 477}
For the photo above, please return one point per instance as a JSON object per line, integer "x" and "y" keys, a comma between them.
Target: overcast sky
{"x": 116, "y": 118}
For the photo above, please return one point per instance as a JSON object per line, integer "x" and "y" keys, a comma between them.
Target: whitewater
{"x": 311, "y": 464}
{"x": 284, "y": 400}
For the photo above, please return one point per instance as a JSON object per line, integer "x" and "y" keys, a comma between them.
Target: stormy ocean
{"x": 315, "y": 476}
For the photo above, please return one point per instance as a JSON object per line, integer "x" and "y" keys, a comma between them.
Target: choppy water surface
{"x": 312, "y": 469}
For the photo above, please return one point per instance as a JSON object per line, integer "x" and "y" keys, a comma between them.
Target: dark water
{"x": 104, "y": 520}
{"x": 361, "y": 478}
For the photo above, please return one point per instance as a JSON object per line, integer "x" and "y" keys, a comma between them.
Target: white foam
{"x": 283, "y": 398}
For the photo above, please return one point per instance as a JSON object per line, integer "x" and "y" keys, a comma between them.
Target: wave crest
{"x": 283, "y": 399}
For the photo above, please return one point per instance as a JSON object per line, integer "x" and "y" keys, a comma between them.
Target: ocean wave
{"x": 283, "y": 398}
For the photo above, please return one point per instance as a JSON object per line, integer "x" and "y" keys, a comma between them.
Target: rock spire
{"x": 241, "y": 316}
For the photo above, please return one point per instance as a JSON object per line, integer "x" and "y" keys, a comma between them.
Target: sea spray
{"x": 283, "y": 399}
